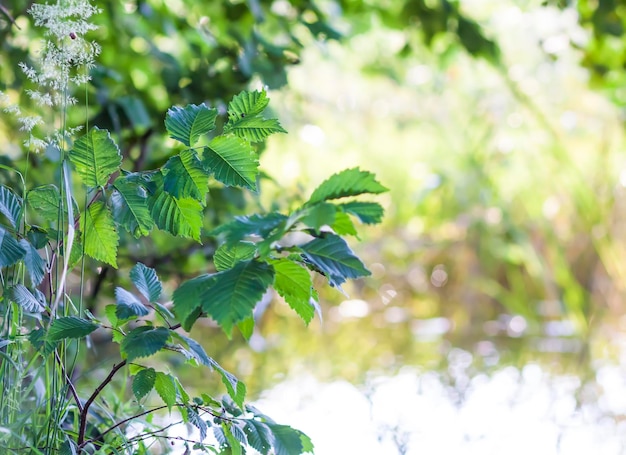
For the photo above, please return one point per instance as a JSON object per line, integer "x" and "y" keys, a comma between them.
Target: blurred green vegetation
{"x": 489, "y": 121}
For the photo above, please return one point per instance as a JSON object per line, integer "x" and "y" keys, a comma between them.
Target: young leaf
{"x": 228, "y": 255}
{"x": 146, "y": 281}
{"x": 128, "y": 306}
{"x": 10, "y": 206}
{"x": 143, "y": 382}
{"x": 244, "y": 118}
{"x": 187, "y": 124}
{"x": 96, "y": 157}
{"x": 235, "y": 292}
{"x": 245, "y": 226}
{"x": 334, "y": 258}
{"x": 246, "y": 327}
{"x": 343, "y": 225}
{"x": 232, "y": 161}
{"x": 367, "y": 212}
{"x": 101, "y": 237}
{"x": 26, "y": 299}
{"x": 130, "y": 207}
{"x": 180, "y": 217}
{"x": 294, "y": 284}
{"x": 350, "y": 182}
{"x": 70, "y": 327}
{"x": 144, "y": 341}
{"x": 185, "y": 177}
{"x": 187, "y": 298}
{"x": 166, "y": 388}
{"x": 10, "y": 250}
{"x": 35, "y": 265}
{"x": 318, "y": 215}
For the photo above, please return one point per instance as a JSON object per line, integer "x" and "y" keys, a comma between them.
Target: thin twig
{"x": 69, "y": 382}
{"x": 7, "y": 13}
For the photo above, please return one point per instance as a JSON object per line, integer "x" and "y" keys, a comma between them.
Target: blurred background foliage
{"x": 498, "y": 127}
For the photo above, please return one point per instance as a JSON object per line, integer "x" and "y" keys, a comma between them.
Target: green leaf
{"x": 318, "y": 215}
{"x": 196, "y": 421}
{"x": 232, "y": 161}
{"x": 96, "y": 157}
{"x": 10, "y": 250}
{"x": 144, "y": 341}
{"x": 110, "y": 311}
{"x": 367, "y": 212}
{"x": 343, "y": 225}
{"x": 165, "y": 386}
{"x": 35, "y": 265}
{"x": 147, "y": 281}
{"x": 244, "y": 118}
{"x": 130, "y": 207}
{"x": 334, "y": 258}
{"x": 259, "y": 436}
{"x": 235, "y": 292}
{"x": 185, "y": 177}
{"x": 128, "y": 306}
{"x": 45, "y": 201}
{"x": 143, "y": 382}
{"x": 350, "y": 182}
{"x": 245, "y": 226}
{"x": 236, "y": 437}
{"x": 32, "y": 303}
{"x": 287, "y": 440}
{"x": 179, "y": 217}
{"x": 294, "y": 284}
{"x": 187, "y": 301}
{"x": 10, "y": 206}
{"x": 228, "y": 255}
{"x": 70, "y": 327}
{"x": 187, "y": 124}
{"x": 246, "y": 327}
{"x": 68, "y": 448}
{"x": 101, "y": 237}
{"x": 39, "y": 341}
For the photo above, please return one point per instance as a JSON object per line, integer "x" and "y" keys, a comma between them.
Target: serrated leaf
{"x": 39, "y": 341}
{"x": 143, "y": 382}
{"x": 130, "y": 207}
{"x": 28, "y": 301}
{"x": 196, "y": 421}
{"x": 287, "y": 440}
{"x": 246, "y": 327}
{"x": 165, "y": 386}
{"x": 187, "y": 299}
{"x": 144, "y": 341}
{"x": 185, "y": 176}
{"x": 179, "y": 217}
{"x": 350, "y": 182}
{"x": 367, "y": 212}
{"x": 227, "y": 255}
{"x": 96, "y": 157}
{"x": 128, "y": 306}
{"x": 110, "y": 311}
{"x": 182, "y": 393}
{"x": 70, "y": 327}
{"x": 259, "y": 436}
{"x": 233, "y": 443}
{"x": 101, "y": 237}
{"x": 238, "y": 433}
{"x": 187, "y": 124}
{"x": 10, "y": 249}
{"x": 245, "y": 226}
{"x": 294, "y": 284}
{"x": 232, "y": 161}
{"x": 244, "y": 118}
{"x": 10, "y": 206}
{"x": 334, "y": 258}
{"x": 146, "y": 281}
{"x": 35, "y": 265}
{"x": 235, "y": 292}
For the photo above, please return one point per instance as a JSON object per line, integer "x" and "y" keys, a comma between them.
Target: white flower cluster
{"x": 65, "y": 60}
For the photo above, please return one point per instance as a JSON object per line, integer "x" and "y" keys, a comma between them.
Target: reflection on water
{"x": 512, "y": 411}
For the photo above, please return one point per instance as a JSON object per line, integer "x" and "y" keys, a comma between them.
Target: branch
{"x": 69, "y": 382}
{"x": 91, "y": 399}
{"x": 7, "y": 13}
